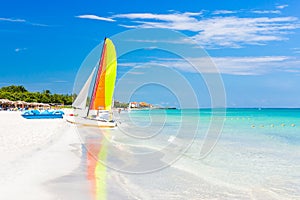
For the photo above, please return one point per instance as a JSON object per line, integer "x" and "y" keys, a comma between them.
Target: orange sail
{"x": 102, "y": 94}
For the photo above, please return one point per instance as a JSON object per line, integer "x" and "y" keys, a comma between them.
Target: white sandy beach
{"x": 32, "y": 153}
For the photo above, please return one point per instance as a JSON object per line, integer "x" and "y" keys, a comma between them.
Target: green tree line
{"x": 118, "y": 104}
{"x": 19, "y": 93}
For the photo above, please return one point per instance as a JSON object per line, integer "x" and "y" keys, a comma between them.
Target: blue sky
{"x": 254, "y": 44}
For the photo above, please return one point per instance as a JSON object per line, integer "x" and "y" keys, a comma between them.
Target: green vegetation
{"x": 118, "y": 104}
{"x": 19, "y": 93}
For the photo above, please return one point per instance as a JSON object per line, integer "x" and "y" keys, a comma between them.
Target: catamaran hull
{"x": 90, "y": 122}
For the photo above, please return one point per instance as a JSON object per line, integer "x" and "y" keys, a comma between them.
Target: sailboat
{"x": 97, "y": 111}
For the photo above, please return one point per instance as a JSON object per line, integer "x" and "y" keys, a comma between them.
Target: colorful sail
{"x": 81, "y": 99}
{"x": 102, "y": 94}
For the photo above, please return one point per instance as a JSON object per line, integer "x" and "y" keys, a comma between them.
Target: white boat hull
{"x": 81, "y": 121}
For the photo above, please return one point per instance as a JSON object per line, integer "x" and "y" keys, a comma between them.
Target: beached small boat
{"x": 36, "y": 114}
{"x": 96, "y": 110}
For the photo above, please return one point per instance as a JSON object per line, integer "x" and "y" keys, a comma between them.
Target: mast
{"x": 97, "y": 78}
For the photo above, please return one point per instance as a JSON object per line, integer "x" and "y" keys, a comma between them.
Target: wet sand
{"x": 121, "y": 175}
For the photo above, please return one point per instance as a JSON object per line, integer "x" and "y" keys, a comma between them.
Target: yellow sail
{"x": 106, "y": 76}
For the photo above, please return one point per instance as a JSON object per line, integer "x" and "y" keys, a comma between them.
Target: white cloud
{"x": 296, "y": 50}
{"x": 127, "y": 64}
{"x": 282, "y": 6}
{"x": 95, "y": 17}
{"x": 222, "y": 12}
{"x": 37, "y": 24}
{"x": 12, "y": 20}
{"x": 229, "y": 65}
{"x": 217, "y": 32}
{"x": 21, "y": 21}
{"x": 175, "y": 17}
{"x": 252, "y": 65}
{"x": 193, "y": 13}
{"x": 20, "y": 49}
{"x": 235, "y": 32}
{"x": 266, "y": 11}
{"x": 135, "y": 73}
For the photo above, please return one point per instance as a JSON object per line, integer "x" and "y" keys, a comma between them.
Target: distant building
{"x": 144, "y": 104}
{"x": 134, "y": 105}
{"x": 139, "y": 105}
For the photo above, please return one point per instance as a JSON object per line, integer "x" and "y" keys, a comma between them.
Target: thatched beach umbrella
{"x": 6, "y": 103}
{"x": 33, "y": 104}
{"x": 21, "y": 104}
{"x": 45, "y": 105}
{"x": 2, "y": 102}
{"x": 40, "y": 105}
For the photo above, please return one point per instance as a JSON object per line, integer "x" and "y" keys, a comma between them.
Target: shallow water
{"x": 253, "y": 154}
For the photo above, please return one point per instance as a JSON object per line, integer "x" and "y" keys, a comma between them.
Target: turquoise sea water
{"x": 250, "y": 153}
{"x": 190, "y": 154}
{"x": 277, "y": 125}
